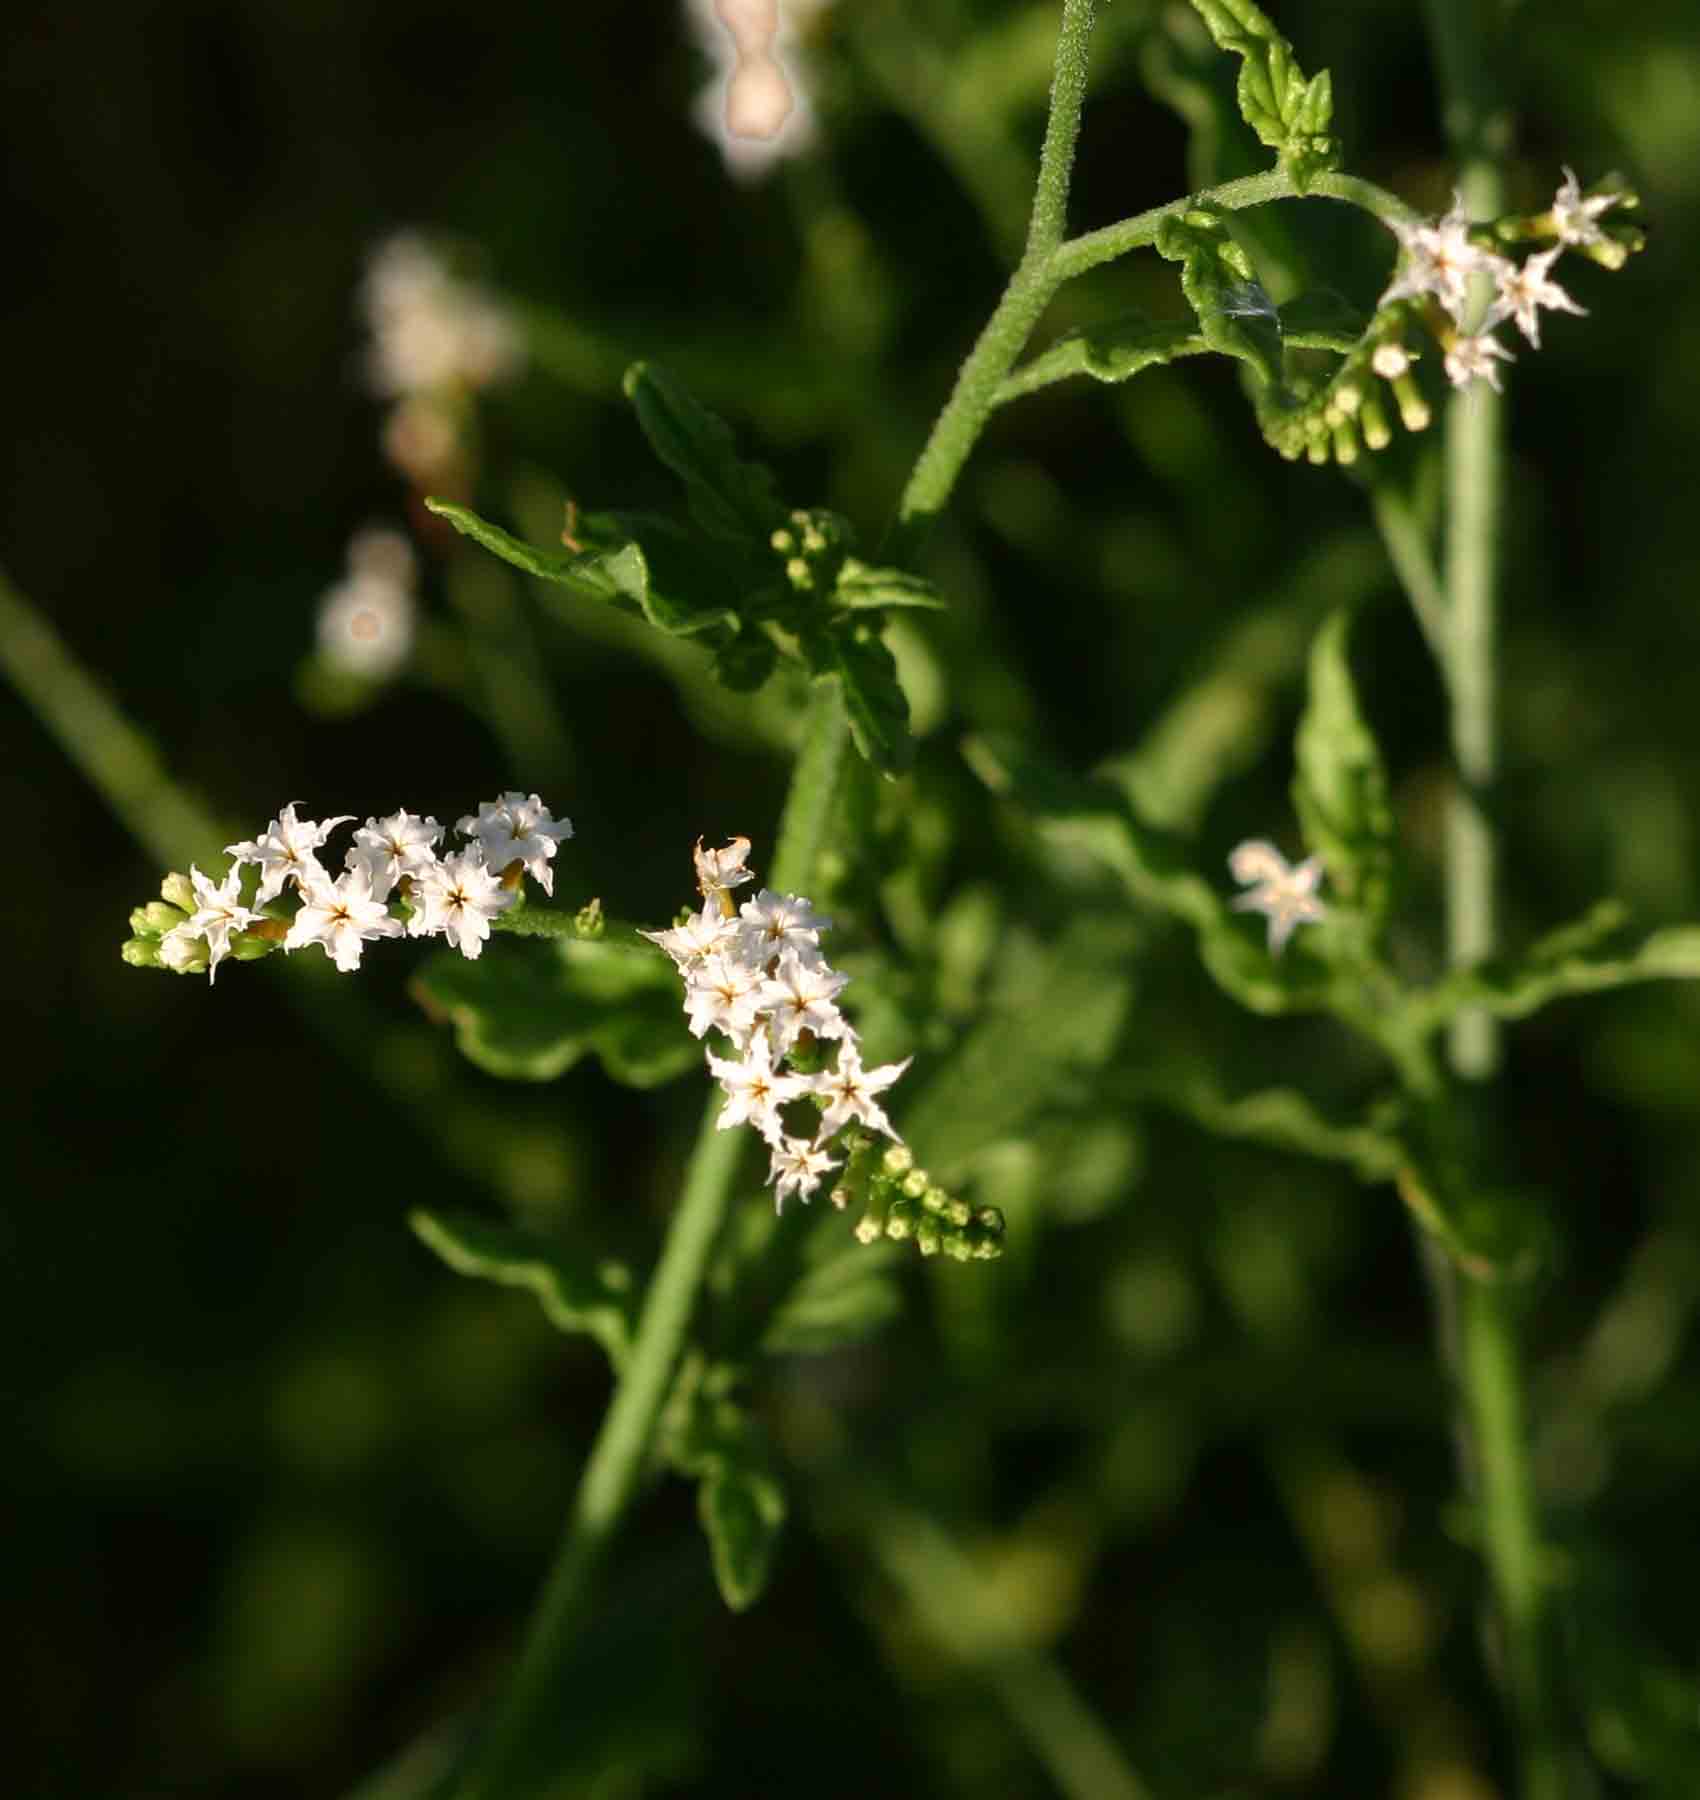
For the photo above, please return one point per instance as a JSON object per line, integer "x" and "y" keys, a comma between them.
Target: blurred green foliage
{"x": 279, "y": 1487}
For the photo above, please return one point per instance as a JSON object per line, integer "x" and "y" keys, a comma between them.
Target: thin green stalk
{"x": 1489, "y": 1363}
{"x": 624, "y": 1440}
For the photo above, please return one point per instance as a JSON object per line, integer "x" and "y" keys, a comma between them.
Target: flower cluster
{"x": 755, "y": 974}
{"x": 436, "y": 337}
{"x": 393, "y": 862}
{"x": 758, "y": 108}
{"x": 1455, "y": 284}
{"x": 366, "y": 620}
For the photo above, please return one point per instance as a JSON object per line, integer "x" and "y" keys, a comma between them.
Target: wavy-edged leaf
{"x": 528, "y": 1013}
{"x": 1288, "y": 112}
{"x": 730, "y": 499}
{"x": 1586, "y": 957}
{"x": 1235, "y": 316}
{"x": 1090, "y": 816}
{"x": 597, "y": 1301}
{"x": 853, "y": 652}
{"x": 863, "y": 589}
{"x": 1115, "y": 351}
{"x": 616, "y": 571}
{"x": 709, "y": 1434}
{"x": 1340, "y": 789}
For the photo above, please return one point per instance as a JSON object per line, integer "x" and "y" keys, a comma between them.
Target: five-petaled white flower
{"x": 1287, "y": 895}
{"x": 1476, "y": 359}
{"x": 755, "y": 1091}
{"x": 390, "y": 848}
{"x": 344, "y": 916}
{"x": 719, "y": 871}
{"x": 726, "y": 994}
{"x": 799, "y": 997}
{"x": 1573, "y": 216}
{"x": 796, "y": 1168}
{"x": 774, "y": 922}
{"x": 219, "y": 913}
{"x": 849, "y": 1091}
{"x": 285, "y": 851}
{"x": 459, "y": 897}
{"x": 518, "y": 828}
{"x": 1440, "y": 259}
{"x": 701, "y": 935}
{"x": 1525, "y": 287}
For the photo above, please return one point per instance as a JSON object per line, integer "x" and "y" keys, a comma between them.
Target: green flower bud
{"x": 899, "y": 1160}
{"x": 141, "y": 953}
{"x": 156, "y": 919}
{"x": 176, "y": 891}
{"x": 915, "y": 1183}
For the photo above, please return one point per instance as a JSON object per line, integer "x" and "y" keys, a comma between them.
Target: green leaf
{"x": 742, "y": 1509}
{"x": 1116, "y": 351}
{"x": 853, "y": 652}
{"x": 1235, "y": 316}
{"x": 597, "y": 1301}
{"x": 841, "y": 1298}
{"x": 529, "y": 1012}
{"x": 861, "y": 588}
{"x": 1585, "y": 957}
{"x": 1288, "y": 112}
{"x": 1089, "y": 816}
{"x": 1340, "y": 789}
{"x": 616, "y": 572}
{"x": 730, "y": 499}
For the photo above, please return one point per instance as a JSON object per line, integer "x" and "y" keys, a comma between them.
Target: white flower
{"x": 1440, "y": 259}
{"x": 1523, "y": 289}
{"x": 184, "y": 951}
{"x": 342, "y": 915}
{"x": 220, "y": 911}
{"x": 518, "y": 828}
{"x": 391, "y": 848}
{"x": 459, "y": 897}
{"x": 1286, "y": 895}
{"x": 1475, "y": 358}
{"x": 718, "y": 871}
{"x": 726, "y": 994}
{"x": 284, "y": 851}
{"x": 701, "y": 935}
{"x": 796, "y": 1168}
{"x": 366, "y": 620}
{"x": 799, "y": 997}
{"x": 774, "y": 922}
{"x": 762, "y": 113}
{"x": 1573, "y": 217}
{"x": 849, "y": 1091}
{"x": 754, "y": 1090}
{"x": 430, "y": 329}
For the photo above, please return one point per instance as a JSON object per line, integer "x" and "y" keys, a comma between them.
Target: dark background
{"x": 278, "y": 1487}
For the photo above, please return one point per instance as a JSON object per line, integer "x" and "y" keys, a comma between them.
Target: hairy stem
{"x": 1489, "y": 1363}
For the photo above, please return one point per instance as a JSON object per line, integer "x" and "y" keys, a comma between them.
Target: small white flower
{"x": 342, "y": 915}
{"x": 459, "y": 897}
{"x": 366, "y": 620}
{"x": 849, "y": 1091}
{"x": 518, "y": 828}
{"x": 220, "y": 911}
{"x": 799, "y": 997}
{"x": 754, "y": 1090}
{"x": 1573, "y": 217}
{"x": 1476, "y": 359}
{"x": 1523, "y": 289}
{"x": 1287, "y": 895}
{"x": 701, "y": 935}
{"x": 796, "y": 1167}
{"x": 1440, "y": 259}
{"x": 726, "y": 994}
{"x": 184, "y": 951}
{"x": 391, "y": 848}
{"x": 285, "y": 851}
{"x": 774, "y": 922}
{"x": 719, "y": 871}
{"x": 432, "y": 330}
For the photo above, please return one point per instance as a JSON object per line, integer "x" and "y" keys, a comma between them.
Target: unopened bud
{"x": 898, "y": 1160}
{"x": 1378, "y": 434}
{"x": 1390, "y": 361}
{"x": 155, "y": 919}
{"x": 783, "y": 542}
{"x": 1413, "y": 408}
{"x": 1345, "y": 443}
{"x": 914, "y": 1184}
{"x": 176, "y": 891}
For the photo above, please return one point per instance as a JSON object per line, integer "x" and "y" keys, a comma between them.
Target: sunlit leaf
{"x": 1235, "y": 316}
{"x": 1288, "y": 112}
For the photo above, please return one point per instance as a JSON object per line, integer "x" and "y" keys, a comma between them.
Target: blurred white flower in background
{"x": 431, "y": 329}
{"x": 366, "y": 621}
{"x": 757, "y": 107}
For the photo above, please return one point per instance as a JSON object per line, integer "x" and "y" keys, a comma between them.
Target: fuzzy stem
{"x": 1489, "y": 1362}
{"x": 623, "y": 1442}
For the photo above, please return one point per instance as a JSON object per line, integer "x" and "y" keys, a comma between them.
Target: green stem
{"x": 623, "y": 1442}
{"x": 1489, "y": 1364}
